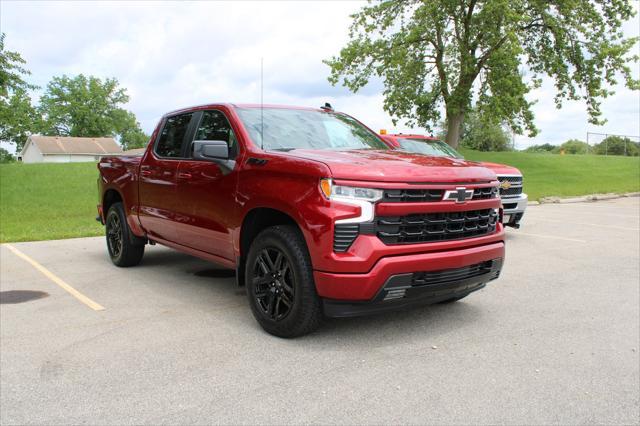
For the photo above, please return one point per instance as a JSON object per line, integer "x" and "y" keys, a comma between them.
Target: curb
{"x": 583, "y": 199}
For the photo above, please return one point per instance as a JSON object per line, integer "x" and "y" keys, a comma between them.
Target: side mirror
{"x": 210, "y": 150}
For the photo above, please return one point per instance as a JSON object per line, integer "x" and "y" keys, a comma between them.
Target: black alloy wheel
{"x": 273, "y": 283}
{"x": 280, "y": 286}
{"x": 114, "y": 235}
{"x": 125, "y": 248}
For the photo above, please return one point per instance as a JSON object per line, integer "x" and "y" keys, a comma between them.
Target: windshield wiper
{"x": 281, "y": 149}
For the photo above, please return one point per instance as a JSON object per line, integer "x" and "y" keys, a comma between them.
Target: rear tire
{"x": 280, "y": 286}
{"x": 125, "y": 249}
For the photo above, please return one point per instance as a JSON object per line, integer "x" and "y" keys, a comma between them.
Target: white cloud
{"x": 174, "y": 54}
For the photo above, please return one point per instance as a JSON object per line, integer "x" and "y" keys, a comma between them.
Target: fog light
{"x": 394, "y": 294}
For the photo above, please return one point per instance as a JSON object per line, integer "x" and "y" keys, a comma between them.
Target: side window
{"x": 214, "y": 126}
{"x": 170, "y": 140}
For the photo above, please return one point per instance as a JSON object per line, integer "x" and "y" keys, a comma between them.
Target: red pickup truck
{"x": 314, "y": 212}
{"x": 514, "y": 201}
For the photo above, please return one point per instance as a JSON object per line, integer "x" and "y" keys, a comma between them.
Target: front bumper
{"x": 403, "y": 290}
{"x": 347, "y": 294}
{"x": 514, "y": 208}
{"x": 356, "y": 279}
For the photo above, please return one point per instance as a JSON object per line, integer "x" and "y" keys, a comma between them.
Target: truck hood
{"x": 395, "y": 166}
{"x": 501, "y": 169}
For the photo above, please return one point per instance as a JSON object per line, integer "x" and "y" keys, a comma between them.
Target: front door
{"x": 158, "y": 178}
{"x": 206, "y": 190}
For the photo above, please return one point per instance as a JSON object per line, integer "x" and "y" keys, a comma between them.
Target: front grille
{"x": 431, "y": 195}
{"x": 429, "y": 227}
{"x": 516, "y": 186}
{"x": 450, "y": 275}
{"x": 513, "y": 179}
{"x": 485, "y": 193}
{"x": 412, "y": 195}
{"x": 511, "y": 192}
{"x": 344, "y": 235}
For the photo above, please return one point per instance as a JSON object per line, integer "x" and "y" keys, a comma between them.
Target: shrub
{"x": 482, "y": 135}
{"x": 545, "y": 147}
{"x": 574, "y": 146}
{"x": 617, "y": 145}
{"x": 6, "y": 157}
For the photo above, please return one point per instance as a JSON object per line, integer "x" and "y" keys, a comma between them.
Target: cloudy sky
{"x": 174, "y": 54}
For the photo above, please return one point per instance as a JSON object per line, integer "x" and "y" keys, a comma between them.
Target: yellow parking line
{"x": 574, "y": 240}
{"x": 75, "y": 293}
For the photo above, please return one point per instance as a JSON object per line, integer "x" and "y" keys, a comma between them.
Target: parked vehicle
{"x": 310, "y": 207}
{"x": 514, "y": 201}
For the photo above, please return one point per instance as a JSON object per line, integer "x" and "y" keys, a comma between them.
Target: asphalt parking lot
{"x": 554, "y": 340}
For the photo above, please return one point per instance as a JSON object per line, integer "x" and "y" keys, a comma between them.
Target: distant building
{"x": 134, "y": 151}
{"x": 63, "y": 149}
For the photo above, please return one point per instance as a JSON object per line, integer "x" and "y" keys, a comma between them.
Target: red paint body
{"x": 198, "y": 208}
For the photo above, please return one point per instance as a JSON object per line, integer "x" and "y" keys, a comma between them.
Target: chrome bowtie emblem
{"x": 460, "y": 194}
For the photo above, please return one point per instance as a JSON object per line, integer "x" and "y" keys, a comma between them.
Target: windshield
{"x": 428, "y": 147}
{"x": 286, "y": 129}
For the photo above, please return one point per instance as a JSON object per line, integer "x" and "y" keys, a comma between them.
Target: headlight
{"x": 361, "y": 197}
{"x": 341, "y": 192}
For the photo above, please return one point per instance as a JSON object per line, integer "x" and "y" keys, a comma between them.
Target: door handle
{"x": 145, "y": 172}
{"x": 184, "y": 175}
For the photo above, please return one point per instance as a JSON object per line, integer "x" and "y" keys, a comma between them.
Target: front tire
{"x": 280, "y": 284}
{"x": 125, "y": 249}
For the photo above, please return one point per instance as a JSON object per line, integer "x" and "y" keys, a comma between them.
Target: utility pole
{"x": 588, "y": 146}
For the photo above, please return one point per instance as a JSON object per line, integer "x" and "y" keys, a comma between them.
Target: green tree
{"x": 18, "y": 118}
{"x": 483, "y": 135}
{"x": 6, "y": 157}
{"x": 545, "y": 147}
{"x": 90, "y": 107}
{"x": 616, "y": 145}
{"x": 131, "y": 135}
{"x": 433, "y": 53}
{"x": 83, "y": 106}
{"x": 573, "y": 146}
{"x": 12, "y": 71}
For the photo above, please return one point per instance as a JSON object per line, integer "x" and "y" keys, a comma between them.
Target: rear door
{"x": 158, "y": 178}
{"x": 206, "y": 190}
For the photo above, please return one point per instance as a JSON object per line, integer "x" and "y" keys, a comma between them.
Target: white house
{"x": 134, "y": 152}
{"x": 62, "y": 149}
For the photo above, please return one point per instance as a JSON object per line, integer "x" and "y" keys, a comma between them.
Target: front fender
{"x": 291, "y": 186}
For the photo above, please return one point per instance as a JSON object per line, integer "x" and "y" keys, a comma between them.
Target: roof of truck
{"x": 241, "y": 105}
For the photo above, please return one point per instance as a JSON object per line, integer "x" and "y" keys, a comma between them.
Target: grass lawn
{"x": 50, "y": 201}
{"x": 567, "y": 175}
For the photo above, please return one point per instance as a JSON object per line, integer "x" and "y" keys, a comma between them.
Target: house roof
{"x": 70, "y": 145}
{"x": 135, "y": 151}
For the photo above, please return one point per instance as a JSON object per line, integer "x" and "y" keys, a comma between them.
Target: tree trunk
{"x": 454, "y": 126}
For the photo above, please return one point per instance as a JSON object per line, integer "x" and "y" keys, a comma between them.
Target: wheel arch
{"x": 110, "y": 197}
{"x": 255, "y": 221}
